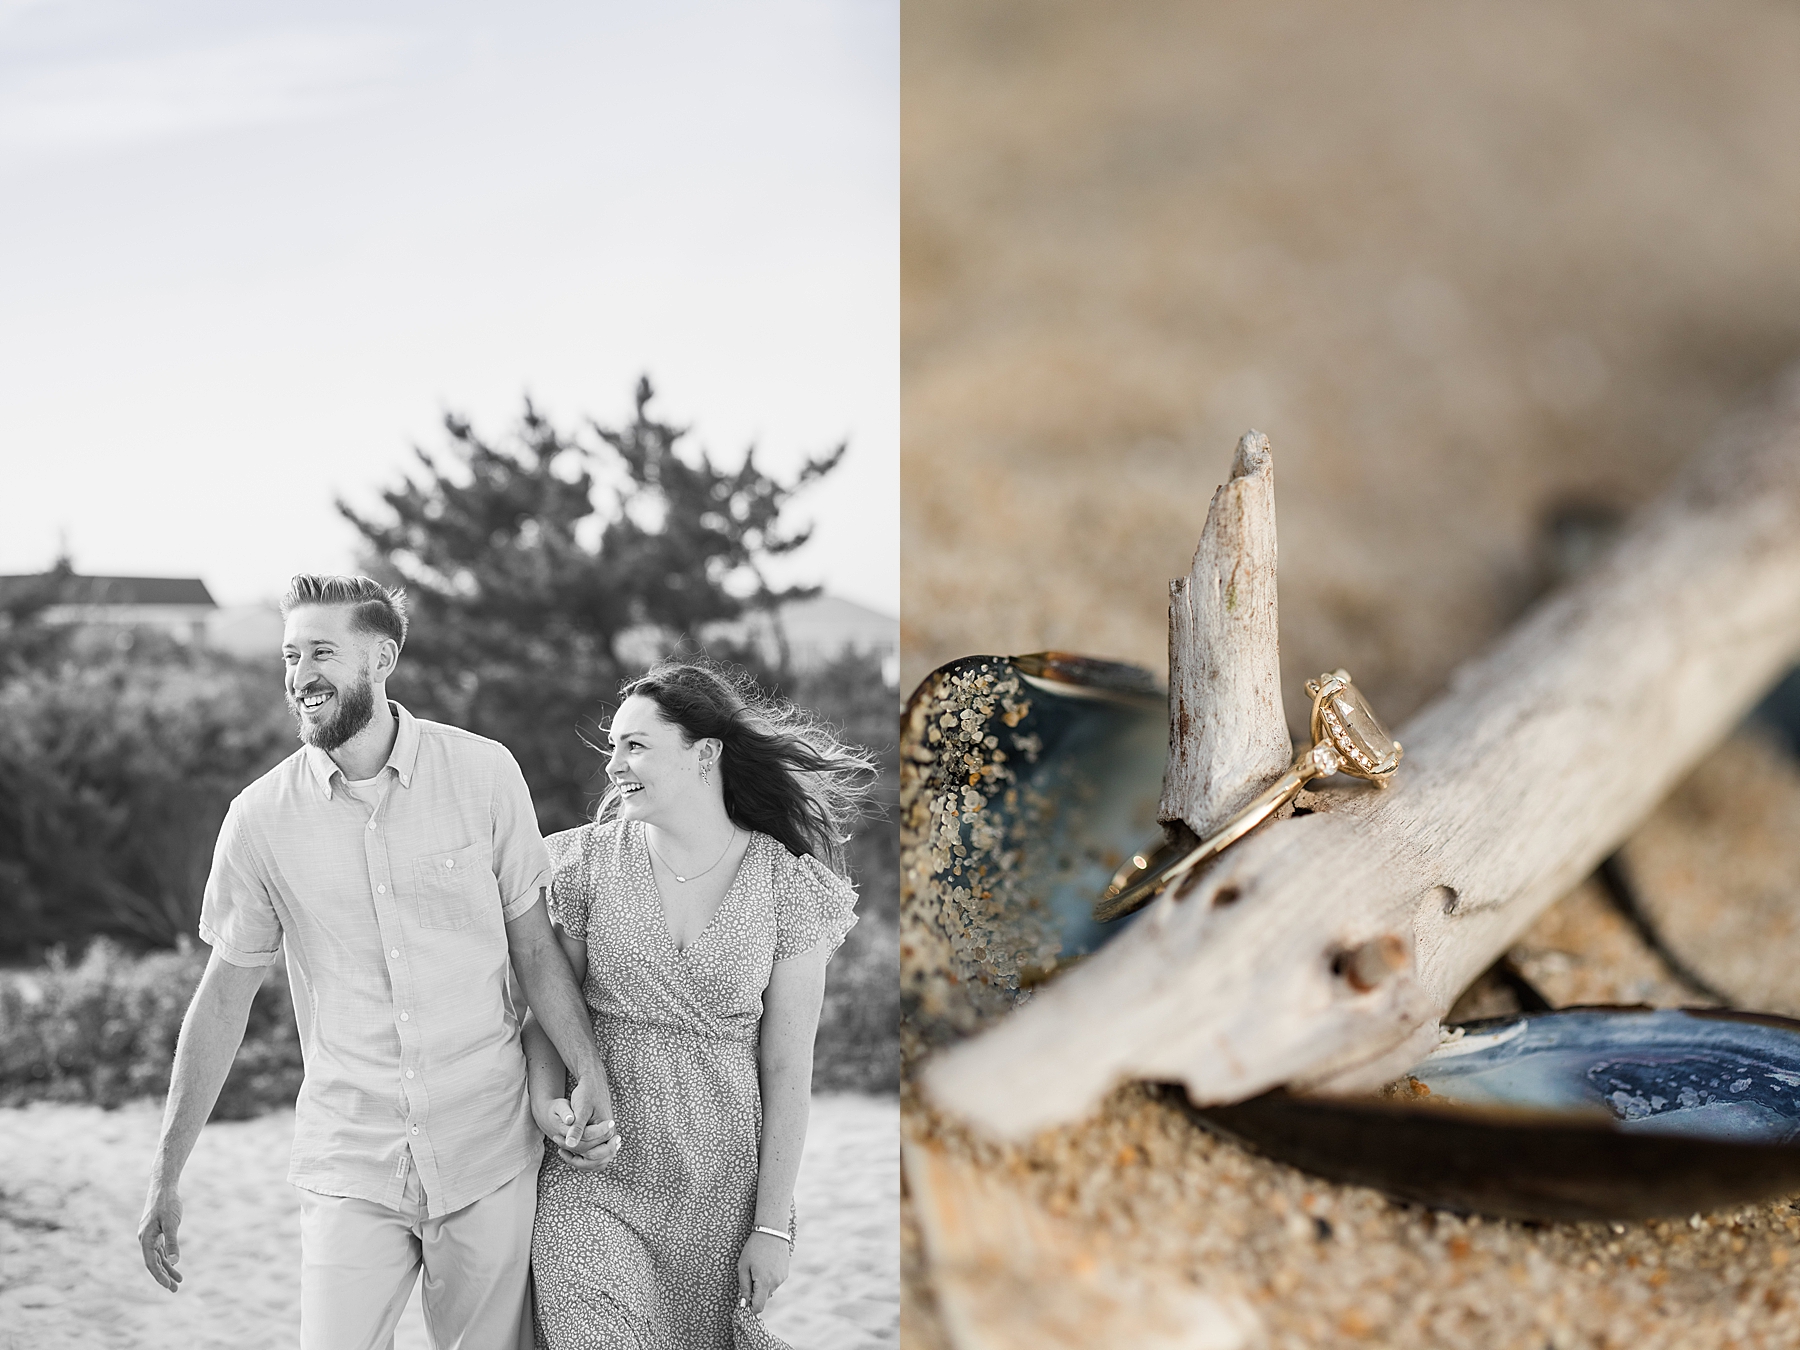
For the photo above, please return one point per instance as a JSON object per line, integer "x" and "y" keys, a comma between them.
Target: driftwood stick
{"x": 1322, "y": 950}
{"x": 1227, "y": 735}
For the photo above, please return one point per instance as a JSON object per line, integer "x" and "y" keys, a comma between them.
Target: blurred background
{"x": 250, "y": 256}
{"x": 581, "y": 322}
{"x": 1486, "y": 275}
{"x": 1472, "y": 270}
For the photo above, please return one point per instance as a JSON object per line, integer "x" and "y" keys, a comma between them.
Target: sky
{"x": 251, "y": 255}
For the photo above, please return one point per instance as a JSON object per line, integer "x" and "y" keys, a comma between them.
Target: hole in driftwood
{"x": 1446, "y": 897}
{"x": 1367, "y": 965}
{"x": 1226, "y": 895}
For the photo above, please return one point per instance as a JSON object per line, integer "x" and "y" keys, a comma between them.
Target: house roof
{"x": 70, "y": 589}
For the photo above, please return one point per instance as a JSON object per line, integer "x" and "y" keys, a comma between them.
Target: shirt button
{"x": 415, "y": 1129}
{"x": 406, "y": 1017}
{"x": 371, "y": 824}
{"x": 449, "y": 862}
{"x": 395, "y": 953}
{"x": 409, "y": 1073}
{"x": 381, "y": 890}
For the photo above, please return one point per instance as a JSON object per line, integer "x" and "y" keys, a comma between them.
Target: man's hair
{"x": 374, "y": 608}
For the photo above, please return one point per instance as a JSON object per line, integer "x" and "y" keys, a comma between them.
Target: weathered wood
{"x": 1227, "y": 735}
{"x": 1536, "y": 763}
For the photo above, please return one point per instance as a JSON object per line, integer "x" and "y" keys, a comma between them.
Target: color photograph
{"x": 1351, "y": 540}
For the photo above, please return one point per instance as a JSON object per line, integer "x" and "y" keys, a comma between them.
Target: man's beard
{"x": 355, "y": 709}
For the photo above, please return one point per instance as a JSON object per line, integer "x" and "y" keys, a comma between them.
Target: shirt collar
{"x": 402, "y": 759}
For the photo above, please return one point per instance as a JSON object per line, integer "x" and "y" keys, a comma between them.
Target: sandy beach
{"x": 73, "y": 1184}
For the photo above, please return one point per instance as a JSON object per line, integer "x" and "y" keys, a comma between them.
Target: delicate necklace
{"x": 715, "y": 862}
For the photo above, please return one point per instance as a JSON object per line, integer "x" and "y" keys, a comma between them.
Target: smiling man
{"x": 397, "y": 862}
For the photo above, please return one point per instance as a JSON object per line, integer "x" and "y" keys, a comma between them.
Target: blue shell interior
{"x": 1094, "y": 780}
{"x": 1708, "y": 1075}
{"x": 1086, "y": 767}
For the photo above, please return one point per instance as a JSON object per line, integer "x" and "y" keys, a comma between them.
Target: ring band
{"x": 1347, "y": 738}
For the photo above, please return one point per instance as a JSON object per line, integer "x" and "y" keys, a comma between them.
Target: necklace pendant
{"x": 681, "y": 878}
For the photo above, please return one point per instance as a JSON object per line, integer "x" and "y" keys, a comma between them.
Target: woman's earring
{"x": 705, "y": 772}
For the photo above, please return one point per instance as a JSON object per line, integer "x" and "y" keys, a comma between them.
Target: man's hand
{"x": 156, "y": 1235}
{"x": 587, "y": 1149}
{"x": 210, "y": 1032}
{"x": 590, "y": 1100}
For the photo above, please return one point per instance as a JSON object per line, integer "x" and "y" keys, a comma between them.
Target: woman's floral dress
{"x": 642, "y": 1254}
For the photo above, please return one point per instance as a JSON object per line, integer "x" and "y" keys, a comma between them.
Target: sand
{"x": 1482, "y": 274}
{"x": 1251, "y": 1254}
{"x": 72, "y": 1188}
{"x": 1467, "y": 266}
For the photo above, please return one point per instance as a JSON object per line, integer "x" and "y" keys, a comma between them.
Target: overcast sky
{"x": 249, "y": 255}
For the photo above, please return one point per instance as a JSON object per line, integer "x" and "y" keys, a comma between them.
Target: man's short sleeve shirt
{"x": 391, "y": 903}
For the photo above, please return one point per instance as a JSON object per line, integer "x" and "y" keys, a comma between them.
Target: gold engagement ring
{"x": 1347, "y": 738}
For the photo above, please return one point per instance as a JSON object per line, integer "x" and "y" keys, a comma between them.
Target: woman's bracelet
{"x": 772, "y": 1232}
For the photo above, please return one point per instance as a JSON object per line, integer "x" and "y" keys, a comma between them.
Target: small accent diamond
{"x": 1326, "y": 760}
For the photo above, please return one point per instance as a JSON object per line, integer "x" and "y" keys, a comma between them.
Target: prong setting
{"x": 1342, "y": 718}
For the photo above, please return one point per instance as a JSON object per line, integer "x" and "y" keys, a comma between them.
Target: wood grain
{"x": 1534, "y": 764}
{"x": 1227, "y": 735}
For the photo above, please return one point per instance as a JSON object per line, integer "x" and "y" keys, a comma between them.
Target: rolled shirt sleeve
{"x": 237, "y": 915}
{"x": 521, "y": 862}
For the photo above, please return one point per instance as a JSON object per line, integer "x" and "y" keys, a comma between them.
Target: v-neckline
{"x": 661, "y": 916}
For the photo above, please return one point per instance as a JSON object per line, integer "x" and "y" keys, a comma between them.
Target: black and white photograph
{"x": 449, "y": 655}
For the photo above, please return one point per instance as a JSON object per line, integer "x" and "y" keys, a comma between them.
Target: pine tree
{"x": 535, "y": 588}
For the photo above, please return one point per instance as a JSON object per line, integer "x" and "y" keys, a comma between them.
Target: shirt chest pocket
{"x": 452, "y": 886}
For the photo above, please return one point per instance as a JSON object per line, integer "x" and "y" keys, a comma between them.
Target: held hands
{"x": 156, "y": 1235}
{"x": 762, "y": 1268}
{"x": 588, "y": 1147}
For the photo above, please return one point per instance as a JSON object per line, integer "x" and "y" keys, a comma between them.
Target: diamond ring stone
{"x": 1343, "y": 720}
{"x": 1347, "y": 737}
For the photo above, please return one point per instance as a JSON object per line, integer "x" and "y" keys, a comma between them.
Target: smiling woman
{"x": 699, "y": 911}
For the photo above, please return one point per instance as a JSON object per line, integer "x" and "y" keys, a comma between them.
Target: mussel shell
{"x": 1024, "y": 783}
{"x": 1698, "y": 1073}
{"x": 1582, "y": 1113}
{"x": 1041, "y": 775}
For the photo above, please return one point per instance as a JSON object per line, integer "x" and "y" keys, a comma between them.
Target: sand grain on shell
{"x": 73, "y": 1187}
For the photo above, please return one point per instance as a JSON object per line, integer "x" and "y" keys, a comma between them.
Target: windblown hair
{"x": 374, "y": 608}
{"x": 783, "y": 771}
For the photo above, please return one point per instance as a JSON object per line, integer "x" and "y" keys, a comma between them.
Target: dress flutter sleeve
{"x": 573, "y": 884}
{"x": 812, "y": 904}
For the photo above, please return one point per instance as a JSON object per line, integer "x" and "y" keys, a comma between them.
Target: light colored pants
{"x": 358, "y": 1261}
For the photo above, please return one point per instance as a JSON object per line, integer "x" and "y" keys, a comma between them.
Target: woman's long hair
{"x": 784, "y": 772}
